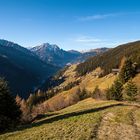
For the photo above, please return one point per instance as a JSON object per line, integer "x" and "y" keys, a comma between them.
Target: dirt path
{"x": 135, "y": 123}
{"x": 109, "y": 129}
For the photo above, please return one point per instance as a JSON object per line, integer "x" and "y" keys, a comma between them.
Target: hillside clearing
{"x": 89, "y": 81}
{"x": 88, "y": 119}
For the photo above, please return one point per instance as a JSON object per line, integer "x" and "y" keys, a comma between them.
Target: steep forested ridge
{"x": 21, "y": 68}
{"x": 111, "y": 59}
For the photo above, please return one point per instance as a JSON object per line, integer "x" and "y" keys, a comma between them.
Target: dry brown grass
{"x": 88, "y": 120}
{"x": 89, "y": 81}
{"x": 70, "y": 97}
{"x": 60, "y": 101}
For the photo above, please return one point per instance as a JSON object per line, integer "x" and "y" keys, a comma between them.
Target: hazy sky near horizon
{"x": 71, "y": 24}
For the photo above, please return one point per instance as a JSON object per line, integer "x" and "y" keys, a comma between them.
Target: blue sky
{"x": 71, "y": 24}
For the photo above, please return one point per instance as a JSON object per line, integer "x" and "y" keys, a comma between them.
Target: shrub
{"x": 97, "y": 94}
{"x": 82, "y": 94}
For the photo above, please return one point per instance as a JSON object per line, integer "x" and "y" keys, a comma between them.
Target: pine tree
{"x": 110, "y": 93}
{"x": 9, "y": 111}
{"x": 26, "y": 112}
{"x": 18, "y": 100}
{"x": 115, "y": 92}
{"x": 31, "y": 100}
{"x": 118, "y": 87}
{"x": 130, "y": 91}
{"x": 127, "y": 71}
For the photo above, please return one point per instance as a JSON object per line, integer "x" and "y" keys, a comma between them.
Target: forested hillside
{"x": 22, "y": 69}
{"x": 111, "y": 59}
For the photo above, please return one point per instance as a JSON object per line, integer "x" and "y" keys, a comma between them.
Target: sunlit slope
{"x": 88, "y": 119}
{"x": 89, "y": 81}
{"x": 111, "y": 59}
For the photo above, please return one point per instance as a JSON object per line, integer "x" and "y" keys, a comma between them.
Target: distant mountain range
{"x": 22, "y": 68}
{"x": 52, "y": 54}
{"x": 27, "y": 69}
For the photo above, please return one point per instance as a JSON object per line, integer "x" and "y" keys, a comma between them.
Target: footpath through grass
{"x": 88, "y": 119}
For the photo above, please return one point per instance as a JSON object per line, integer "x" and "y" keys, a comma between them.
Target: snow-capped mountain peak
{"x": 47, "y": 47}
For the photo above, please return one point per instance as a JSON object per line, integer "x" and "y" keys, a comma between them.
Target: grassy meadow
{"x": 88, "y": 119}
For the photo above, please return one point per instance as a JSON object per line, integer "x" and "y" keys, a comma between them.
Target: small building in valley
{"x": 115, "y": 71}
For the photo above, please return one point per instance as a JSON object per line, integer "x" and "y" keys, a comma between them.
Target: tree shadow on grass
{"x": 67, "y": 115}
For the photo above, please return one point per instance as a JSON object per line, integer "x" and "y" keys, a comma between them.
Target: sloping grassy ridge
{"x": 88, "y": 119}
